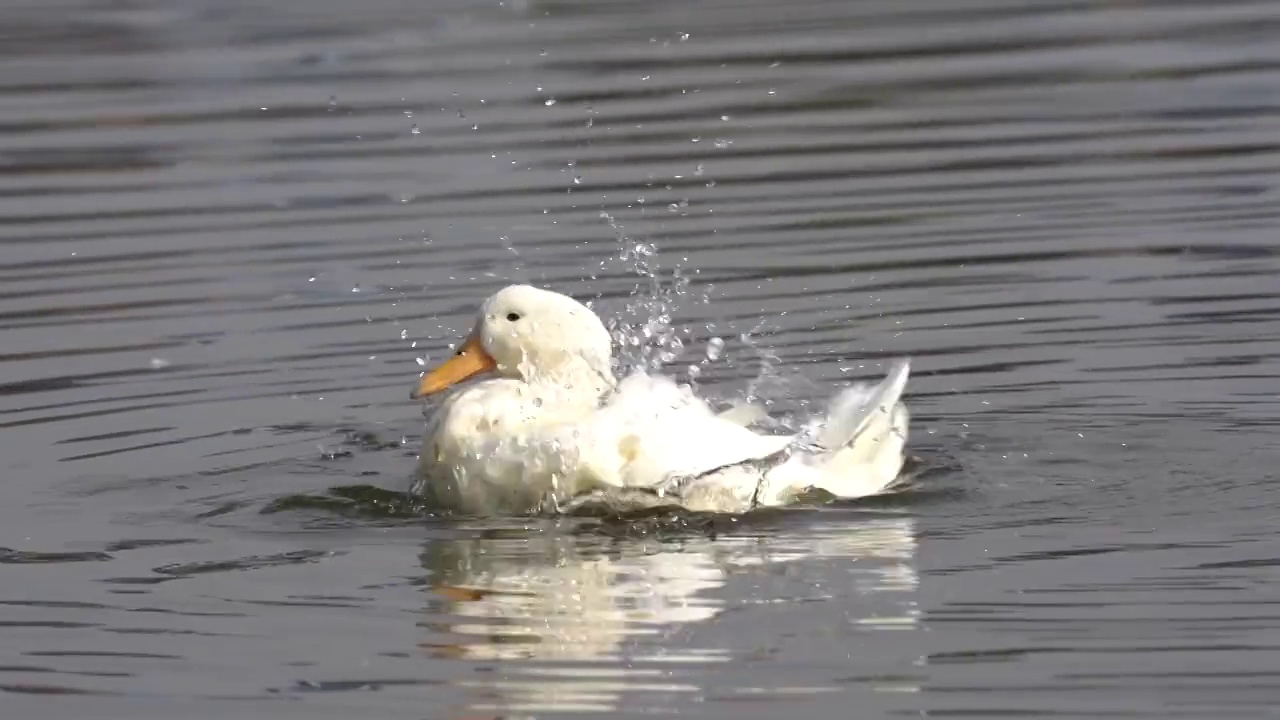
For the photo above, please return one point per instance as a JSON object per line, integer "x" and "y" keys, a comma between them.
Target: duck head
{"x": 529, "y": 334}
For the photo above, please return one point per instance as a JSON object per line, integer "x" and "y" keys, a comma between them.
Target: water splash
{"x": 644, "y": 330}
{"x": 648, "y": 338}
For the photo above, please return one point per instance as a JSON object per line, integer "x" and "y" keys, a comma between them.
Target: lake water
{"x": 229, "y": 231}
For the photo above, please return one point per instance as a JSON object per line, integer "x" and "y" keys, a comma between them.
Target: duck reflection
{"x": 568, "y": 621}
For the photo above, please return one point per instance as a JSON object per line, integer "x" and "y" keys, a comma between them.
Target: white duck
{"x": 550, "y": 427}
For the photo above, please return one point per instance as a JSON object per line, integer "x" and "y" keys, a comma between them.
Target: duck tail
{"x": 860, "y": 410}
{"x": 860, "y": 446}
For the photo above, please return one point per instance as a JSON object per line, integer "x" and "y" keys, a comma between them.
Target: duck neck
{"x": 567, "y": 388}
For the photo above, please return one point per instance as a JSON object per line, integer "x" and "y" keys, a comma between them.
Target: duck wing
{"x": 662, "y": 432}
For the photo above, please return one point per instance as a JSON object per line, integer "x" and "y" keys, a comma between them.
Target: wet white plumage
{"x": 554, "y": 429}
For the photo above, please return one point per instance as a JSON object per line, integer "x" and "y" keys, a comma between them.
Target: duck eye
{"x": 513, "y": 316}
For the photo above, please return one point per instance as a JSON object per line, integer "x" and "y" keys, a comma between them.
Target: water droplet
{"x": 715, "y": 349}
{"x": 159, "y": 363}
{"x": 549, "y": 102}
{"x": 420, "y": 360}
{"x": 404, "y": 333}
{"x": 415, "y": 129}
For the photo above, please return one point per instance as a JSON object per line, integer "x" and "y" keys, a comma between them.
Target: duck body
{"x": 554, "y": 431}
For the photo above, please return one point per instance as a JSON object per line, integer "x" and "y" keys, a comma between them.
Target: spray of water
{"x": 648, "y": 339}
{"x": 644, "y": 331}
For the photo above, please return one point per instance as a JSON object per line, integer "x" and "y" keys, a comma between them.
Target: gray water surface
{"x": 230, "y": 230}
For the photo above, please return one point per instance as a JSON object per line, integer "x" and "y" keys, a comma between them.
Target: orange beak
{"x": 469, "y": 361}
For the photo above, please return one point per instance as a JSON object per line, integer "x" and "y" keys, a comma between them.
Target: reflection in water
{"x": 566, "y": 616}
